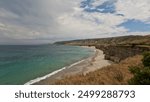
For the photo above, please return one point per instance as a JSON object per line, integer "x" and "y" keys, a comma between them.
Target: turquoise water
{"x": 22, "y": 63}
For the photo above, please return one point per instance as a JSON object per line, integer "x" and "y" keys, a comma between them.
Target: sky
{"x": 46, "y": 21}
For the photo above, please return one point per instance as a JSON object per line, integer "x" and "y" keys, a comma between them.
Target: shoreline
{"x": 92, "y": 63}
{"x": 50, "y": 74}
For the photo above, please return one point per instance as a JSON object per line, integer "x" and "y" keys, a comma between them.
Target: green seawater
{"x": 22, "y": 63}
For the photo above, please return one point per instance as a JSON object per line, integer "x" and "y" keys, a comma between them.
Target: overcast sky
{"x": 44, "y": 21}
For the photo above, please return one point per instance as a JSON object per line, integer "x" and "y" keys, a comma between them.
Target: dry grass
{"x": 115, "y": 74}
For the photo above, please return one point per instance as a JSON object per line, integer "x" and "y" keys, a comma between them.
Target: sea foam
{"x": 53, "y": 73}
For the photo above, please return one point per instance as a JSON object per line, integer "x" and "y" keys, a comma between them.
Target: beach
{"x": 85, "y": 66}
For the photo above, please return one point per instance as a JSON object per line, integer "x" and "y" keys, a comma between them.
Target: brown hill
{"x": 122, "y": 40}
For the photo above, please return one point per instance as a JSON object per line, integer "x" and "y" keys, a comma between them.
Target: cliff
{"x": 118, "y": 53}
{"x": 116, "y": 48}
{"x": 125, "y": 51}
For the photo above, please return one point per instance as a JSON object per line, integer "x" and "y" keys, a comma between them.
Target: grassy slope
{"x": 111, "y": 75}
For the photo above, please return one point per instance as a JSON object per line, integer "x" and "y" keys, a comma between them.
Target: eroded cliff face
{"x": 116, "y": 48}
{"x": 118, "y": 53}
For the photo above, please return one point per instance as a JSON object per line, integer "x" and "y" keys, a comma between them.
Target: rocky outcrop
{"x": 118, "y": 53}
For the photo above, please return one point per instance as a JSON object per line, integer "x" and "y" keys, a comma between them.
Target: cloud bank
{"x": 43, "y": 21}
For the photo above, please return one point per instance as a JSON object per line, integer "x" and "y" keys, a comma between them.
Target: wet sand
{"x": 90, "y": 64}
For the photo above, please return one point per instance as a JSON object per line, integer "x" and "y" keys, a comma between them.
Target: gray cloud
{"x": 32, "y": 19}
{"x": 41, "y": 21}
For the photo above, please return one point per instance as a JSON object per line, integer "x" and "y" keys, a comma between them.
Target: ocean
{"x": 20, "y": 64}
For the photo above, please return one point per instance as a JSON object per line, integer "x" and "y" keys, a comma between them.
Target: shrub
{"x": 141, "y": 75}
{"x": 146, "y": 59}
{"x": 118, "y": 76}
{"x": 134, "y": 69}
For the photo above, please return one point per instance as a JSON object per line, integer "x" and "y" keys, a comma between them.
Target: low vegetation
{"x": 115, "y": 74}
{"x": 141, "y": 73}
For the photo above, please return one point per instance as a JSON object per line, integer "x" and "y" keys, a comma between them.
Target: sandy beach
{"x": 92, "y": 63}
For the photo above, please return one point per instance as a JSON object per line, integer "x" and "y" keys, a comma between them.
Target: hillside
{"x": 124, "y": 51}
{"x": 115, "y": 74}
{"x": 123, "y": 40}
{"x": 116, "y": 48}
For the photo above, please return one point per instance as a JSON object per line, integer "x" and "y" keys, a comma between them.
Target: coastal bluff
{"x": 116, "y": 49}
{"x": 124, "y": 51}
{"x": 118, "y": 53}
